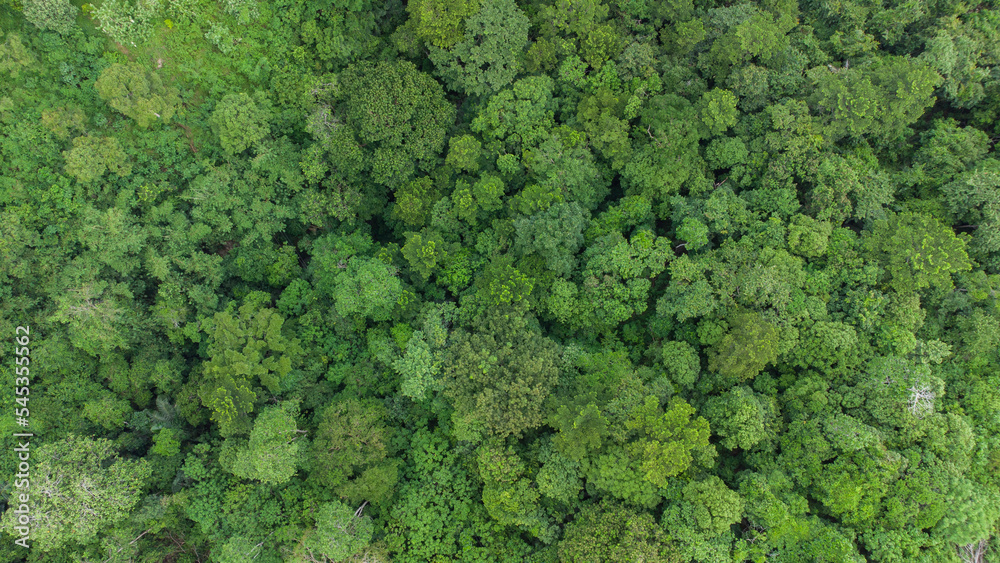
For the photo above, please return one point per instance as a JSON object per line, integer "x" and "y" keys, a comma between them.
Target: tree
{"x": 434, "y": 505}
{"x": 489, "y": 55}
{"x": 693, "y": 232}
{"x": 565, "y": 165}
{"x": 91, "y": 157}
{"x": 946, "y": 151}
{"x": 709, "y": 507}
{"x": 79, "y": 488}
{"x": 671, "y": 437}
{"x": 245, "y": 350}
{"x": 340, "y": 532}
{"x": 127, "y": 23}
{"x": 832, "y": 348}
{"x": 425, "y": 251}
{"x": 742, "y": 418}
{"x": 726, "y": 152}
{"x": 555, "y": 234}
{"x": 917, "y": 251}
{"x": 973, "y": 197}
{"x": 500, "y": 374}
{"x": 689, "y": 294}
{"x": 394, "y": 119}
{"x": 415, "y": 200}
{"x": 878, "y": 100}
{"x": 418, "y": 368}
{"x": 350, "y": 451}
{"x": 57, "y": 15}
{"x": 616, "y": 278}
{"x": 239, "y": 122}
{"x": 367, "y": 287}
{"x": 808, "y": 237}
{"x": 718, "y": 110}
{"x": 273, "y": 453}
{"x": 508, "y": 495}
{"x": 520, "y": 116}
{"x": 750, "y": 344}
{"x": 580, "y": 433}
{"x": 464, "y": 152}
{"x": 100, "y": 316}
{"x": 439, "y": 22}
{"x": 741, "y": 33}
{"x": 608, "y": 532}
{"x": 137, "y": 93}
{"x": 664, "y": 157}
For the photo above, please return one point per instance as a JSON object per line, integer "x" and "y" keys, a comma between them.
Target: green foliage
{"x": 138, "y": 94}
{"x": 239, "y": 122}
{"x": 742, "y": 33}
{"x": 555, "y": 234}
{"x": 742, "y": 418}
{"x": 665, "y": 155}
{"x": 808, "y": 237}
{"x": 434, "y": 505}
{"x": 125, "y": 23}
{"x": 718, "y": 110}
{"x": 272, "y": 452}
{"x": 520, "y": 116}
{"x": 350, "y": 451}
{"x": 879, "y": 100}
{"x": 750, "y": 344}
{"x": 500, "y": 374}
{"x": 917, "y": 251}
{"x": 473, "y": 281}
{"x": 464, "y": 153}
{"x": 89, "y": 489}
{"x": 246, "y": 350}
{"x": 398, "y": 116}
{"x": 425, "y": 251}
{"x": 671, "y": 438}
{"x": 438, "y": 22}
{"x": 166, "y": 443}
{"x": 488, "y": 57}
{"x": 57, "y": 15}
{"x": 340, "y": 532}
{"x": 579, "y": 433}
{"x": 608, "y": 532}
{"x": 367, "y": 287}
{"x": 92, "y": 157}
{"x": 418, "y": 368}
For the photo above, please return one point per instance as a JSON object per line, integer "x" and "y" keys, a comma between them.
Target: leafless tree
{"x": 921, "y": 401}
{"x": 975, "y": 552}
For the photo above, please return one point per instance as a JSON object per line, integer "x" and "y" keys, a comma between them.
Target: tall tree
{"x": 79, "y": 488}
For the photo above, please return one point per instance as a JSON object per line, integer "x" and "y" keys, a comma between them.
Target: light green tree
{"x": 742, "y": 417}
{"x": 670, "y": 438}
{"x": 439, "y": 22}
{"x": 273, "y": 452}
{"x": 917, "y": 251}
{"x": 137, "y": 93}
{"x": 79, "y": 488}
{"x": 57, "y": 15}
{"x": 340, "y": 532}
{"x": 718, "y": 110}
{"x": 239, "y": 122}
{"x": 91, "y": 157}
{"x": 246, "y": 350}
{"x": 367, "y": 287}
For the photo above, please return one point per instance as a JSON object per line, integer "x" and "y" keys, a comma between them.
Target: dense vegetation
{"x": 574, "y": 281}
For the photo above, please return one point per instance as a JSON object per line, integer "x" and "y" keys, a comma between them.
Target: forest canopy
{"x": 533, "y": 281}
